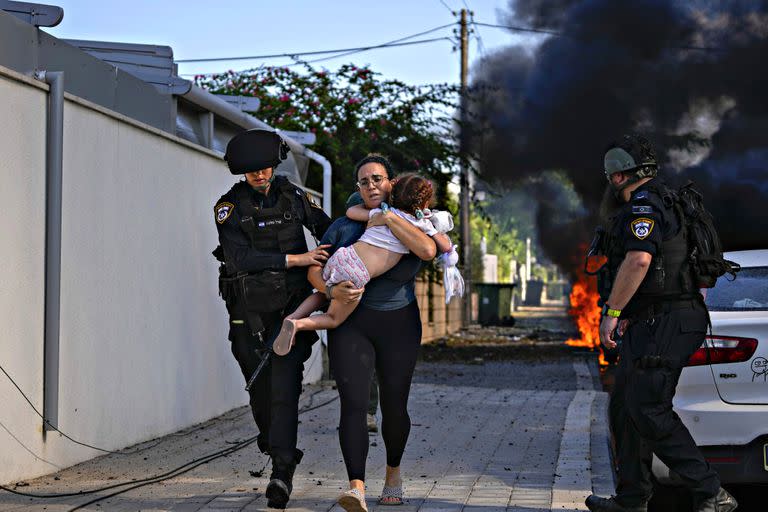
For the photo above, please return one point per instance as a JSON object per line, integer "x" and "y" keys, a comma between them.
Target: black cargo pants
{"x": 653, "y": 352}
{"x": 274, "y": 396}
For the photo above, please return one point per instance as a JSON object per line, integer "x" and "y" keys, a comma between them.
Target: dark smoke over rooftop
{"x": 689, "y": 75}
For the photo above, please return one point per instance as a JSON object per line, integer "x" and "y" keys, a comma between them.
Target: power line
{"x": 521, "y": 29}
{"x": 447, "y": 7}
{"x": 317, "y": 52}
{"x": 388, "y": 43}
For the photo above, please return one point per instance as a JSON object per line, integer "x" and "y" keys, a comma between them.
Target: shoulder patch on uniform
{"x": 311, "y": 200}
{"x": 640, "y": 210}
{"x": 223, "y": 211}
{"x": 642, "y": 227}
{"x": 643, "y": 194}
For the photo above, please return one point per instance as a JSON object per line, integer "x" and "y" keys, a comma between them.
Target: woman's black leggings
{"x": 389, "y": 342}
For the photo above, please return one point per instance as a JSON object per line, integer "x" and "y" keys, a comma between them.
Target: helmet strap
{"x": 642, "y": 172}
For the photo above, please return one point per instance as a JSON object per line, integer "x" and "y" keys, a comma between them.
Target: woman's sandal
{"x": 284, "y": 341}
{"x": 391, "y": 496}
{"x": 352, "y": 500}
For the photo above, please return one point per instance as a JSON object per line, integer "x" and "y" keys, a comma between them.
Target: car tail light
{"x": 723, "y": 349}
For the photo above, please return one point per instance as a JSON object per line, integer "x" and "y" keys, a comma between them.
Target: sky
{"x": 201, "y": 29}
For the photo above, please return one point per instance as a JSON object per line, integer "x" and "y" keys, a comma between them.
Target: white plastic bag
{"x": 452, "y": 280}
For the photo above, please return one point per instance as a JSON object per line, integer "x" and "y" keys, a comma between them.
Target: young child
{"x": 377, "y": 251}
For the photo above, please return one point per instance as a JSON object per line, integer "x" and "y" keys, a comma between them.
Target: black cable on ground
{"x": 180, "y": 470}
{"x": 139, "y": 450}
{"x": 229, "y": 451}
{"x": 168, "y": 474}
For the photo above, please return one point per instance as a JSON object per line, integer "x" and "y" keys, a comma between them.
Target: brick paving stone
{"x": 476, "y": 445}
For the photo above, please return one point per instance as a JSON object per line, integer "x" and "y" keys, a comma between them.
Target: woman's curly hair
{"x": 375, "y": 158}
{"x": 411, "y": 192}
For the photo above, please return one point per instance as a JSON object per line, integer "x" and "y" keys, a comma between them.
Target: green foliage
{"x": 352, "y": 113}
{"x": 505, "y": 219}
{"x": 502, "y": 239}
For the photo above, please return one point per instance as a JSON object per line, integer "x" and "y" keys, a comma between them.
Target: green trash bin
{"x": 494, "y": 303}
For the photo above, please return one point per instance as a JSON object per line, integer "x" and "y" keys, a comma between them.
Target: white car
{"x": 722, "y": 395}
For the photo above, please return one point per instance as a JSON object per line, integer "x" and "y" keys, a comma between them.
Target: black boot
{"x": 720, "y": 502}
{"x": 281, "y": 481}
{"x": 598, "y": 504}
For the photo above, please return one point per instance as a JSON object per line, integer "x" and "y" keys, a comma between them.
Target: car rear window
{"x": 748, "y": 292}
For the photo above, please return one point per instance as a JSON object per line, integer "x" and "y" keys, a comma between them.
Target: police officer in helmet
{"x": 656, "y": 313}
{"x": 263, "y": 277}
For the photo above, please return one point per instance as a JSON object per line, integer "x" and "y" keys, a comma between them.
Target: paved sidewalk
{"x": 519, "y": 436}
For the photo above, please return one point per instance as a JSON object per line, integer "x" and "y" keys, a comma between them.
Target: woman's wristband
{"x": 329, "y": 291}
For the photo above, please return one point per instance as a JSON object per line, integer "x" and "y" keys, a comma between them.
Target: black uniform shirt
{"x": 644, "y": 222}
{"x": 235, "y": 242}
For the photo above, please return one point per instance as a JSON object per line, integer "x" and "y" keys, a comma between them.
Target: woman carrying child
{"x": 375, "y": 252}
{"x": 383, "y": 332}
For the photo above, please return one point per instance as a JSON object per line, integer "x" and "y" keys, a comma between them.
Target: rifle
{"x": 595, "y": 249}
{"x": 255, "y": 374}
{"x": 264, "y": 359}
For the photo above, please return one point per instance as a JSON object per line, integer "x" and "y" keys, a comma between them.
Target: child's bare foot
{"x": 284, "y": 341}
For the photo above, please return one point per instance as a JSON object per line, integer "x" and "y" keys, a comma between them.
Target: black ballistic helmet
{"x": 632, "y": 154}
{"x": 253, "y": 150}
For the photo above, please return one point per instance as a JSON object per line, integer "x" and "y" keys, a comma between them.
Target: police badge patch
{"x": 642, "y": 227}
{"x": 223, "y": 211}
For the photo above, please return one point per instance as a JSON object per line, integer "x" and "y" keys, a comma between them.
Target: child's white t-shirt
{"x": 381, "y": 236}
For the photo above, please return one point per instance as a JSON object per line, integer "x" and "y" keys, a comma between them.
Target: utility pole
{"x": 466, "y": 252}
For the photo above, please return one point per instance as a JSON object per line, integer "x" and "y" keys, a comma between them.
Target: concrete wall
{"x": 438, "y": 319}
{"x": 144, "y": 350}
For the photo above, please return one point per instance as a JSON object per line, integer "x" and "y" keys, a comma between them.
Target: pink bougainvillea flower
{"x": 352, "y": 101}
{"x": 284, "y": 97}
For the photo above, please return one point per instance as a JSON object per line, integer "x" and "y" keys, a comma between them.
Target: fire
{"x": 585, "y": 312}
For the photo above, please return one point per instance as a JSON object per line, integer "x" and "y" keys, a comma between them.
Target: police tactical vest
{"x": 278, "y": 228}
{"x": 669, "y": 276}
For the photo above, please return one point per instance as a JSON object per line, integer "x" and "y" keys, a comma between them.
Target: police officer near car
{"x": 652, "y": 307}
{"x": 263, "y": 277}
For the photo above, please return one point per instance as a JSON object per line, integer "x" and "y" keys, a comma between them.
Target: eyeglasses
{"x": 376, "y": 179}
{"x": 261, "y": 171}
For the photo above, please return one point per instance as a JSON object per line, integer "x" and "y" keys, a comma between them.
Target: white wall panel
{"x": 22, "y": 286}
{"x": 144, "y": 348}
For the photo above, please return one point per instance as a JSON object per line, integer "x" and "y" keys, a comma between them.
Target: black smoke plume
{"x": 688, "y": 75}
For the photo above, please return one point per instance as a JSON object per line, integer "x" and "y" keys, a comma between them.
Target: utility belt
{"x": 647, "y": 311}
{"x": 267, "y": 291}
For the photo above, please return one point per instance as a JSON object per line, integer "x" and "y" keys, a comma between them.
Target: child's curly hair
{"x": 411, "y": 192}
